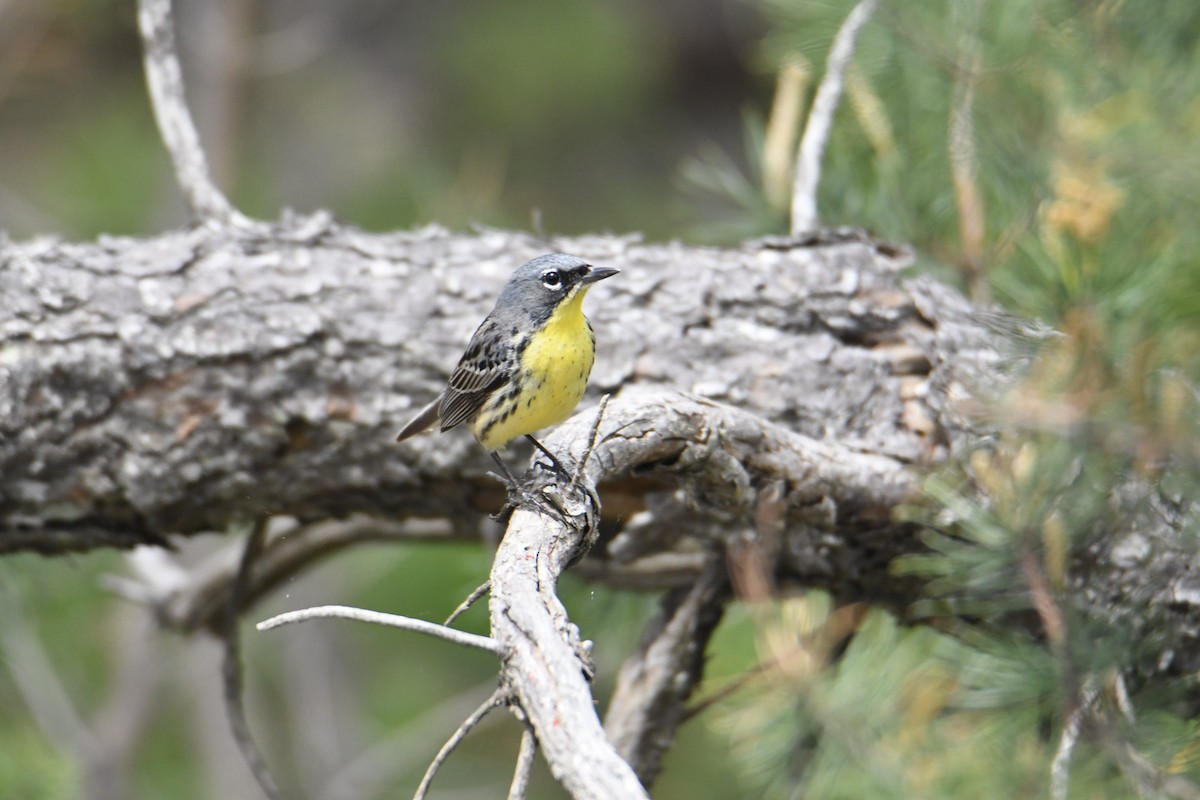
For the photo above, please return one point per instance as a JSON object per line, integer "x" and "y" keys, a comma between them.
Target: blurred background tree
{"x": 1038, "y": 152}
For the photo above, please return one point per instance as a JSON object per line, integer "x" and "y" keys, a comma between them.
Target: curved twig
{"x": 546, "y": 666}
{"x": 820, "y": 120}
{"x": 496, "y": 700}
{"x": 164, "y": 79}
{"x": 478, "y": 592}
{"x": 721, "y": 453}
{"x": 231, "y": 668}
{"x": 390, "y": 620}
{"x": 186, "y": 600}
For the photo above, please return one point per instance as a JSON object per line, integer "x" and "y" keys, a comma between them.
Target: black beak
{"x": 598, "y": 274}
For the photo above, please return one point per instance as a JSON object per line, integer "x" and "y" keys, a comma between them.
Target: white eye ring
{"x": 551, "y": 279}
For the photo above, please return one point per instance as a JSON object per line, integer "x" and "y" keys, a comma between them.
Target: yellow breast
{"x": 555, "y": 366}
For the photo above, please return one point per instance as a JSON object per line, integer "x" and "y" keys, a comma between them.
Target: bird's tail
{"x": 422, "y": 421}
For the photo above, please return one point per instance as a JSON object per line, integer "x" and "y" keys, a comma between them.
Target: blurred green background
{"x": 1040, "y": 154}
{"x": 390, "y": 114}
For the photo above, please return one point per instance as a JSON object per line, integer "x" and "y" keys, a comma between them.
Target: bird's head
{"x": 543, "y": 284}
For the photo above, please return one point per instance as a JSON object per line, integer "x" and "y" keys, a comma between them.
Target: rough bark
{"x": 178, "y": 383}
{"x": 547, "y": 667}
{"x": 184, "y": 382}
{"x": 773, "y": 404}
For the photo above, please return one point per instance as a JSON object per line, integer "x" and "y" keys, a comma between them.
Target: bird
{"x": 528, "y": 363}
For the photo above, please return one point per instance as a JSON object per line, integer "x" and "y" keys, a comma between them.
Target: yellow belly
{"x": 554, "y": 372}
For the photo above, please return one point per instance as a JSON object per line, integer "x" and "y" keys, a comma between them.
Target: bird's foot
{"x": 554, "y": 464}
{"x": 520, "y": 495}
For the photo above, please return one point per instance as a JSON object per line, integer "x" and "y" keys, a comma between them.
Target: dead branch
{"x": 184, "y": 383}
{"x": 164, "y": 79}
{"x": 194, "y": 597}
{"x": 451, "y": 635}
{"x": 805, "y": 219}
{"x": 469, "y": 724}
{"x": 231, "y": 668}
{"x": 524, "y": 769}
{"x": 547, "y": 667}
{"x": 655, "y": 682}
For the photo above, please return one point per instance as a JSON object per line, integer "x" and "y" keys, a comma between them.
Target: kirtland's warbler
{"x": 528, "y": 363}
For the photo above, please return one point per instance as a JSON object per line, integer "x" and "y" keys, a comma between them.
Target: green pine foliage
{"x": 1083, "y": 179}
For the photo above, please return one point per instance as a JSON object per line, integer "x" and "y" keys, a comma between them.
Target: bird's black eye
{"x": 551, "y": 279}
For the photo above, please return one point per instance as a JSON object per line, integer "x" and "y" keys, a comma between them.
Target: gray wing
{"x": 484, "y": 368}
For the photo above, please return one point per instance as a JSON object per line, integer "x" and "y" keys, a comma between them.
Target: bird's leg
{"x": 514, "y": 487}
{"x": 517, "y": 491}
{"x": 559, "y": 468}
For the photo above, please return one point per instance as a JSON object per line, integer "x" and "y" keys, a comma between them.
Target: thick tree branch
{"x": 193, "y": 380}
{"x": 182, "y": 383}
{"x": 547, "y": 669}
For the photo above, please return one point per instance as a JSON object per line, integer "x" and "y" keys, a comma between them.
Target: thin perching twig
{"x": 591, "y": 446}
{"x": 392, "y": 620}
{"x": 164, "y": 79}
{"x": 497, "y": 699}
{"x": 231, "y": 666}
{"x": 479, "y": 592}
{"x": 1060, "y": 767}
{"x": 521, "y": 775}
{"x": 820, "y": 120}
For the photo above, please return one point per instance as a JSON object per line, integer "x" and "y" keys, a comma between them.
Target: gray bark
{"x": 772, "y": 403}
{"x": 184, "y": 382}
{"x": 179, "y": 383}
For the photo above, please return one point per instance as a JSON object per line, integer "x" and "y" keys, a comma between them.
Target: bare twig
{"x": 478, "y": 592}
{"x": 735, "y": 685}
{"x": 497, "y": 699}
{"x": 1060, "y": 767}
{"x": 1121, "y": 693}
{"x": 820, "y": 120}
{"x": 658, "y": 678}
{"x": 390, "y": 620}
{"x": 368, "y": 773}
{"x": 231, "y": 668}
{"x": 186, "y": 599}
{"x": 591, "y": 441}
{"x": 164, "y": 79}
{"x": 524, "y": 770}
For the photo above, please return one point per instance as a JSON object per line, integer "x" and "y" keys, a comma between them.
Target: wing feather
{"x": 484, "y": 368}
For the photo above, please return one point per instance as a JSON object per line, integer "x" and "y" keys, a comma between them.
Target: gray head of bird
{"x": 541, "y": 285}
